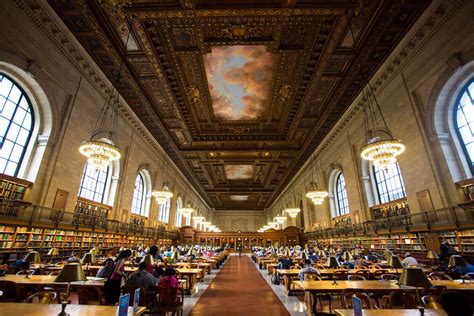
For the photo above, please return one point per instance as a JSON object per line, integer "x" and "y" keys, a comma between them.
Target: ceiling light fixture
{"x": 100, "y": 149}
{"x": 280, "y": 219}
{"x": 293, "y": 212}
{"x": 163, "y": 195}
{"x": 316, "y": 194}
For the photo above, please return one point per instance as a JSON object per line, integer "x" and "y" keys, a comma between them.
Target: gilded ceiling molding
{"x": 46, "y": 21}
{"x": 446, "y": 10}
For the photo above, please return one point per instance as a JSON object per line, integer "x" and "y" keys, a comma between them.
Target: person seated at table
{"x": 106, "y": 269}
{"x": 141, "y": 278}
{"x": 285, "y": 263}
{"x": 313, "y": 257}
{"x": 348, "y": 264}
{"x": 308, "y": 268}
{"x": 409, "y": 260}
{"x": 168, "y": 280}
{"x": 459, "y": 272}
{"x": 73, "y": 258}
{"x": 372, "y": 256}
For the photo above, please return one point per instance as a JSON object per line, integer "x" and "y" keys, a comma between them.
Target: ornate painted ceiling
{"x": 239, "y": 93}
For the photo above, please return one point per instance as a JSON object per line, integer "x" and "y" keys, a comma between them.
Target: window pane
{"x": 138, "y": 203}
{"x": 12, "y": 121}
{"x": 93, "y": 183}
{"x": 342, "y": 203}
{"x": 464, "y": 120}
{"x": 389, "y": 183}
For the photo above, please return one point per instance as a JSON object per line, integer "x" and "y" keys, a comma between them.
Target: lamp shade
{"x": 53, "y": 252}
{"x": 347, "y": 256}
{"x": 333, "y": 263}
{"x": 304, "y": 256}
{"x": 332, "y": 251}
{"x": 387, "y": 254}
{"x": 32, "y": 257}
{"x": 432, "y": 255}
{"x": 191, "y": 251}
{"x": 148, "y": 259}
{"x": 71, "y": 272}
{"x": 395, "y": 262}
{"x": 456, "y": 261}
{"x": 88, "y": 258}
{"x": 94, "y": 251}
{"x": 414, "y": 277}
{"x": 200, "y": 253}
{"x": 176, "y": 256}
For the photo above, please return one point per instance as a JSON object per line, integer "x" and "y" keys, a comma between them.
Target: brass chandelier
{"x": 316, "y": 194}
{"x": 163, "y": 195}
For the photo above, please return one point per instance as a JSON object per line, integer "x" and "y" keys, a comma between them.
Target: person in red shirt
{"x": 169, "y": 280}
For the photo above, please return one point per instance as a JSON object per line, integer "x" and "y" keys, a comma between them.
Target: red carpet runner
{"x": 238, "y": 289}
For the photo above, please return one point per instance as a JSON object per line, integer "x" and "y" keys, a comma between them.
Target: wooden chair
{"x": 173, "y": 305}
{"x": 42, "y": 298}
{"x": 90, "y": 295}
{"x": 399, "y": 299}
{"x": 367, "y": 303}
{"x": 131, "y": 290}
{"x": 313, "y": 276}
{"x": 439, "y": 276}
{"x": 361, "y": 268}
{"x": 388, "y": 277}
{"x": 378, "y": 273}
{"x": 431, "y": 302}
{"x": 340, "y": 275}
{"x": 375, "y": 266}
{"x": 356, "y": 277}
{"x": 11, "y": 291}
{"x": 364, "y": 273}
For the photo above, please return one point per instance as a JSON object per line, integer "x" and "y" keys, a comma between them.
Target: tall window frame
{"x": 389, "y": 183}
{"x": 139, "y": 197}
{"x": 16, "y": 125}
{"x": 178, "y": 217}
{"x": 164, "y": 211}
{"x": 93, "y": 183}
{"x": 342, "y": 202}
{"x": 464, "y": 121}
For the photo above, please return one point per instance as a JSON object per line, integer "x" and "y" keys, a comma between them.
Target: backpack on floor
{"x": 276, "y": 278}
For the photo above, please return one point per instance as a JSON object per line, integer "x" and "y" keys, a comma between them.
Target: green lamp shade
{"x": 432, "y": 255}
{"x": 88, "y": 258}
{"x": 53, "y": 252}
{"x": 347, "y": 256}
{"x": 333, "y": 263}
{"x": 414, "y": 277}
{"x": 94, "y": 251}
{"x": 71, "y": 272}
{"x": 148, "y": 259}
{"x": 395, "y": 262}
{"x": 32, "y": 257}
{"x": 332, "y": 251}
{"x": 456, "y": 261}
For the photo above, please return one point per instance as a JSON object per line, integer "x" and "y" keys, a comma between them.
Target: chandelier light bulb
{"x": 162, "y": 196}
{"x": 382, "y": 153}
{"x": 293, "y": 212}
{"x": 198, "y": 219}
{"x": 186, "y": 211}
{"x": 280, "y": 219}
{"x": 100, "y": 152}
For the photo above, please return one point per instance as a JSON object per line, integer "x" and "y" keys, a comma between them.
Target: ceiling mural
{"x": 238, "y": 172}
{"x": 240, "y": 95}
{"x": 239, "y": 80}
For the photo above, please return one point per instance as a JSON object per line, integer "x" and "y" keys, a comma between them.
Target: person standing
{"x": 114, "y": 282}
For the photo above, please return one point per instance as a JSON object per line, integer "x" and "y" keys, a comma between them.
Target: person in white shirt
{"x": 409, "y": 261}
{"x": 308, "y": 268}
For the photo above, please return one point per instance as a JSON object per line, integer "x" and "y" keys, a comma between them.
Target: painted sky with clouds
{"x": 238, "y": 172}
{"x": 239, "y": 78}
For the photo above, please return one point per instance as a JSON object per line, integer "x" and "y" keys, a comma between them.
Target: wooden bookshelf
{"x": 12, "y": 188}
{"x": 90, "y": 213}
{"x": 390, "y": 209}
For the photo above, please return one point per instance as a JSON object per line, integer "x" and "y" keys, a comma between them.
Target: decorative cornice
{"x": 47, "y": 22}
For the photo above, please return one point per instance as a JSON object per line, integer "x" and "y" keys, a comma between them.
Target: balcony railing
{"x": 445, "y": 218}
{"x": 12, "y": 211}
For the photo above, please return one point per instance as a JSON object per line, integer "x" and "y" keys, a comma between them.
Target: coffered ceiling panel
{"x": 239, "y": 93}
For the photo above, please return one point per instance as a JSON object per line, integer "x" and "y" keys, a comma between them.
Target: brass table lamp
{"x": 148, "y": 259}
{"x": 88, "y": 258}
{"x": 31, "y": 257}
{"x": 433, "y": 256}
{"x": 53, "y": 252}
{"x": 395, "y": 263}
{"x": 71, "y": 272}
{"x": 333, "y": 263}
{"x": 458, "y": 262}
{"x": 415, "y": 277}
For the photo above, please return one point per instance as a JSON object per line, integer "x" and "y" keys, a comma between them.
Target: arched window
{"x": 178, "y": 217}
{"x": 389, "y": 183}
{"x": 342, "y": 204}
{"x": 464, "y": 121}
{"x": 138, "y": 204}
{"x": 164, "y": 212}
{"x": 16, "y": 125}
{"x": 93, "y": 183}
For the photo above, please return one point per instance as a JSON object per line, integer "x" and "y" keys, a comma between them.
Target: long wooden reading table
{"x": 26, "y": 309}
